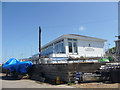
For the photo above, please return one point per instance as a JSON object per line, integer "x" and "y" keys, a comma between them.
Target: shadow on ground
{"x": 49, "y": 81}
{"x": 4, "y": 77}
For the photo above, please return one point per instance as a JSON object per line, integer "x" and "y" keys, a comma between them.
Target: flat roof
{"x": 74, "y": 36}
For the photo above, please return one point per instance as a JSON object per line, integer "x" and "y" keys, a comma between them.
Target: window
{"x": 47, "y": 50}
{"x": 70, "y": 47}
{"x": 74, "y": 39}
{"x": 72, "y": 44}
{"x": 63, "y": 48}
{"x": 69, "y": 39}
{"x": 59, "y": 47}
{"x": 75, "y": 47}
{"x": 89, "y": 45}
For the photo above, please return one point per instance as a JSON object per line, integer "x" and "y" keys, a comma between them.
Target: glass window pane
{"x": 62, "y": 48}
{"x": 70, "y": 47}
{"x": 75, "y": 47}
{"x": 74, "y": 39}
{"x": 59, "y": 48}
{"x": 69, "y": 39}
{"x": 55, "y": 49}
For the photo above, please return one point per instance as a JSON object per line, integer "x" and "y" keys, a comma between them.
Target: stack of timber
{"x": 65, "y": 71}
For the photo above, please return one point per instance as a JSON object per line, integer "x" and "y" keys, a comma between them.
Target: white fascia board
{"x": 85, "y": 38}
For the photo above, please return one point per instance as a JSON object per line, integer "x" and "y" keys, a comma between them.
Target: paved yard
{"x": 26, "y": 83}
{"x": 7, "y": 82}
{"x": 96, "y": 85}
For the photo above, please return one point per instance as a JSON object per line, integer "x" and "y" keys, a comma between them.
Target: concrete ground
{"x": 97, "y": 85}
{"x": 8, "y": 82}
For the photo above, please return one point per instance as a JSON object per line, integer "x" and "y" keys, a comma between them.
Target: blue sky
{"x": 20, "y": 22}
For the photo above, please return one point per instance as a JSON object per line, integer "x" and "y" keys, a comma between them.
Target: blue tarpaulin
{"x": 18, "y": 66}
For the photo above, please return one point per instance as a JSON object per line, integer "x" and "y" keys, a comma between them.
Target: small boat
{"x": 17, "y": 66}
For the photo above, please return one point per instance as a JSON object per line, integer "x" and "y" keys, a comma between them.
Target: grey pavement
{"x": 27, "y": 83}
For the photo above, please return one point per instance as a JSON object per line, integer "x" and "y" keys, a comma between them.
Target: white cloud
{"x": 81, "y": 28}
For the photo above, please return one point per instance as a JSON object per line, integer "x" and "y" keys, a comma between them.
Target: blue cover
{"x": 15, "y": 65}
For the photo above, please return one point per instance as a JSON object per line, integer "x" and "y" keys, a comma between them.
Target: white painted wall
{"x": 96, "y": 49}
{"x": 83, "y": 46}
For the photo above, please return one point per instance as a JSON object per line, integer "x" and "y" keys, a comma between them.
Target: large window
{"x": 47, "y": 50}
{"x": 59, "y": 47}
{"x": 72, "y": 44}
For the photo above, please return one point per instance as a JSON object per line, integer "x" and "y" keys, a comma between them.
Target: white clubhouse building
{"x": 72, "y": 45}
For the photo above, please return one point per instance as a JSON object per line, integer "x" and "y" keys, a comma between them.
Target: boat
{"x": 15, "y": 65}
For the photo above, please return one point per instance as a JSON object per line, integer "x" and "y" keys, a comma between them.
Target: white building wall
{"x": 96, "y": 49}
